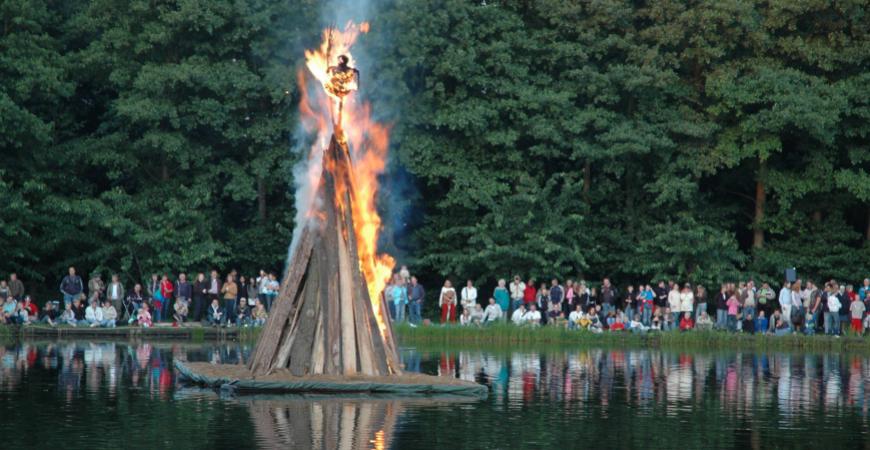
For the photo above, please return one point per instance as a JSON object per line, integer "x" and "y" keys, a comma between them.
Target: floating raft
{"x": 241, "y": 379}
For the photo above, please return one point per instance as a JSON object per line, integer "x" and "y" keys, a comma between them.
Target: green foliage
{"x": 546, "y": 138}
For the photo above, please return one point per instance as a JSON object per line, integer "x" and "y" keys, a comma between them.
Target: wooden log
{"x": 303, "y": 342}
{"x": 318, "y": 353}
{"x": 284, "y": 307}
{"x": 345, "y": 286}
{"x": 390, "y": 342}
{"x": 331, "y": 314}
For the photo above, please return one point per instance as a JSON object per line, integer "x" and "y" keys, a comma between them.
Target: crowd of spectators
{"x": 233, "y": 300}
{"x": 797, "y": 306}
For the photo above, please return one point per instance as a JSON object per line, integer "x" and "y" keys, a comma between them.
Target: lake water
{"x": 126, "y": 395}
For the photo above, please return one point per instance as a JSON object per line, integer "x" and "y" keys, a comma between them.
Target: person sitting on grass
{"x": 748, "y": 324}
{"x": 144, "y": 316}
{"x": 181, "y": 309}
{"x": 465, "y": 318}
{"x": 533, "y": 316}
{"x": 782, "y": 328}
{"x": 761, "y": 322}
{"x": 9, "y": 311}
{"x": 260, "y": 314}
{"x": 772, "y": 321}
{"x": 110, "y": 315}
{"x": 686, "y": 322}
{"x": 574, "y": 317}
{"x": 519, "y": 315}
{"x": 49, "y": 314}
{"x": 618, "y": 325}
{"x": 243, "y": 315}
{"x": 477, "y": 314}
{"x": 79, "y": 309}
{"x": 586, "y": 319}
{"x": 656, "y": 324}
{"x": 23, "y": 314}
{"x": 595, "y": 325}
{"x": 30, "y": 305}
{"x": 704, "y": 323}
{"x": 560, "y": 321}
{"x": 93, "y": 313}
{"x": 637, "y": 325}
{"x": 492, "y": 314}
{"x": 68, "y": 317}
{"x": 215, "y": 313}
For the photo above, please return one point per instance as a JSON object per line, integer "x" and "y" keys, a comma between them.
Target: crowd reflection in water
{"x": 796, "y": 384}
{"x": 87, "y": 367}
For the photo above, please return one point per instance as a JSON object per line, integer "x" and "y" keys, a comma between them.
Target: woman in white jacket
{"x": 687, "y": 299}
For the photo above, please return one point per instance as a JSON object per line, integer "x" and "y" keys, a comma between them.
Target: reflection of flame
{"x": 368, "y": 142}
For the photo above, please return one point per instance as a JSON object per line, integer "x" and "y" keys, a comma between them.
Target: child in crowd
{"x": 733, "y": 305}
{"x": 144, "y": 316}
{"x": 637, "y": 325}
{"x": 465, "y": 318}
{"x": 686, "y": 323}
{"x": 748, "y": 325}
{"x": 761, "y": 323}
{"x": 618, "y": 325}
{"x": 811, "y": 325}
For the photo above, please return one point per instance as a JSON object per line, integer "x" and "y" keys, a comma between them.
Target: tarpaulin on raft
{"x": 311, "y": 384}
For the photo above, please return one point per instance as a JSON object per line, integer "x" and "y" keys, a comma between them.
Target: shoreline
{"x": 189, "y": 333}
{"x": 501, "y": 336}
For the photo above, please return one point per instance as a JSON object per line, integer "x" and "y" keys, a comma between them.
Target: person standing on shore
{"x": 416, "y": 295}
{"x": 469, "y": 296}
{"x": 183, "y": 289}
{"x": 200, "y": 294}
{"x": 71, "y": 287}
{"x": 115, "y": 294}
{"x": 502, "y": 297}
{"x": 96, "y": 288}
{"x": 517, "y": 290}
{"x": 785, "y": 302}
{"x": 16, "y": 287}
{"x": 447, "y": 303}
{"x": 230, "y": 290}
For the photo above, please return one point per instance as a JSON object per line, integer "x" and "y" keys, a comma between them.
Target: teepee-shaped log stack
{"x": 322, "y": 321}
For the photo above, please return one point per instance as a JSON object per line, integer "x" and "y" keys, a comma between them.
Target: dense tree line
{"x": 693, "y": 139}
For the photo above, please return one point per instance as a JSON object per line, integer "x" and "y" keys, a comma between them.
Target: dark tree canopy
{"x": 698, "y": 140}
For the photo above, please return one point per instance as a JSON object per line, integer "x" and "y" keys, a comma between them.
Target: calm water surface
{"x": 126, "y": 395}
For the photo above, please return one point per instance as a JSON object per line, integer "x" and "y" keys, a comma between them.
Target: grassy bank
{"x": 507, "y": 336}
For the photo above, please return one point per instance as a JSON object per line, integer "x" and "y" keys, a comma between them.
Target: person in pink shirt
{"x": 733, "y": 308}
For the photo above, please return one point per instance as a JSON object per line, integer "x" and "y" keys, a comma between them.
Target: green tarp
{"x": 308, "y": 385}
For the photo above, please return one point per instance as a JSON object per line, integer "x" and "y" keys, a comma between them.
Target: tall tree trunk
{"x": 261, "y": 198}
{"x": 587, "y": 180}
{"x": 760, "y": 199}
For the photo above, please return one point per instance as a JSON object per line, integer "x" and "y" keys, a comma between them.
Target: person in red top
{"x": 686, "y": 323}
{"x": 530, "y": 293}
{"x": 32, "y": 310}
{"x": 619, "y": 325}
{"x": 167, "y": 288}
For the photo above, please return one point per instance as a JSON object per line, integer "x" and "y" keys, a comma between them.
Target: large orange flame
{"x": 368, "y": 141}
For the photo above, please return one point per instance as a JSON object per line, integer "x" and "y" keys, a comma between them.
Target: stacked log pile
{"x": 323, "y": 321}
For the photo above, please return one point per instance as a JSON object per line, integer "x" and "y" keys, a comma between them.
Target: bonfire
{"x": 329, "y": 329}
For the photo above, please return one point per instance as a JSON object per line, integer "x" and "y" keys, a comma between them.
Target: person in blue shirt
{"x": 865, "y": 290}
{"x": 400, "y": 298}
{"x": 502, "y": 297}
{"x": 416, "y": 295}
{"x": 761, "y": 323}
